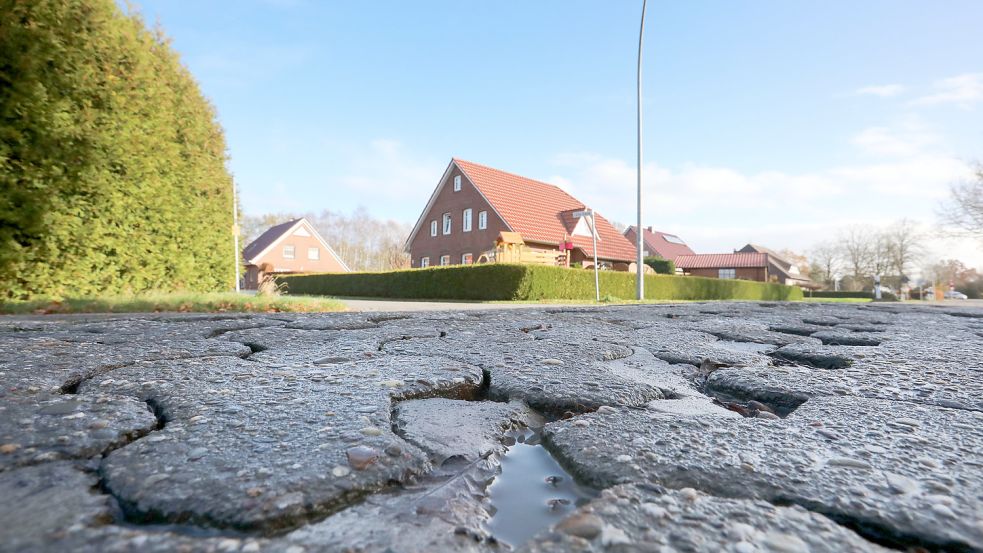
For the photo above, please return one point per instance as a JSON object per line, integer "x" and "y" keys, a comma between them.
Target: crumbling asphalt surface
{"x": 702, "y": 427}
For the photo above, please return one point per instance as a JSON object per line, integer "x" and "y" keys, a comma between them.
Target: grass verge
{"x": 220, "y": 302}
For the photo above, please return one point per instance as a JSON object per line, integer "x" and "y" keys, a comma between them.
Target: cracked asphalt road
{"x": 701, "y": 427}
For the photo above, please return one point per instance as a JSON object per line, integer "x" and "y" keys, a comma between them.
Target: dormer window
{"x": 457, "y": 184}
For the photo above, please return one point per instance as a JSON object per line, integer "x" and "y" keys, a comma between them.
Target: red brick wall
{"x": 746, "y": 273}
{"x": 457, "y": 242}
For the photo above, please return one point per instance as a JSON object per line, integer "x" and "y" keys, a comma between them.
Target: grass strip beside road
{"x": 190, "y": 302}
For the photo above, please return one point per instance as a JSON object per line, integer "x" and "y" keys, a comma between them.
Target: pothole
{"x": 532, "y": 492}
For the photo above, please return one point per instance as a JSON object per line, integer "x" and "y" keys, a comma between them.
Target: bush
{"x": 112, "y": 165}
{"x": 661, "y": 266}
{"x": 528, "y": 282}
{"x": 843, "y": 294}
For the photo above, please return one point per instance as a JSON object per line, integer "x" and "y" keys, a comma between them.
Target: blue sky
{"x": 769, "y": 121}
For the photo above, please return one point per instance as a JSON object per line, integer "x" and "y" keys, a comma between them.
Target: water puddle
{"x": 532, "y": 492}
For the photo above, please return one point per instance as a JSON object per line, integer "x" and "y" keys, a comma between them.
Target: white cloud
{"x": 884, "y": 91}
{"x": 885, "y": 141}
{"x": 718, "y": 209}
{"x": 964, "y": 90}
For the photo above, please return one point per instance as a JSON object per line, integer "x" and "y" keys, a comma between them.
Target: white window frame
{"x": 291, "y": 249}
{"x": 424, "y": 261}
{"x": 465, "y": 260}
{"x": 482, "y": 220}
{"x": 466, "y": 226}
{"x": 445, "y": 260}
{"x": 448, "y": 222}
{"x": 433, "y": 228}
{"x": 314, "y": 250}
{"x": 457, "y": 183}
{"x": 720, "y": 273}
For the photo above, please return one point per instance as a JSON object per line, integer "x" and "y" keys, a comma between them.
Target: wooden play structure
{"x": 511, "y": 248}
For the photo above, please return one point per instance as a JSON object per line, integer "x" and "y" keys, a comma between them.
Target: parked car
{"x": 954, "y": 295}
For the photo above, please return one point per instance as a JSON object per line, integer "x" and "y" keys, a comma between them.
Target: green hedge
{"x": 661, "y": 266}
{"x": 845, "y": 294}
{"x": 112, "y": 162}
{"x": 528, "y": 282}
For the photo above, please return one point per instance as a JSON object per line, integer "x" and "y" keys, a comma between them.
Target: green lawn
{"x": 220, "y": 302}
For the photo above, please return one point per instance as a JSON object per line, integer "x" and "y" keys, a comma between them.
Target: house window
{"x": 467, "y": 220}
{"x": 447, "y": 223}
{"x": 288, "y": 252}
{"x": 457, "y": 183}
{"x": 482, "y": 220}
{"x": 727, "y": 273}
{"x": 467, "y": 259}
{"x": 445, "y": 260}
{"x": 433, "y": 228}
{"x": 425, "y": 261}
{"x": 313, "y": 253}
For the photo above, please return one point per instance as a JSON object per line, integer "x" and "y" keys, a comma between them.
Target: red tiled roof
{"x": 722, "y": 260}
{"x": 271, "y": 235}
{"x": 542, "y": 212}
{"x": 657, "y": 244}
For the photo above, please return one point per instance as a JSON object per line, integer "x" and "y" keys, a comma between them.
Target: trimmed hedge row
{"x": 844, "y": 294}
{"x": 527, "y": 282}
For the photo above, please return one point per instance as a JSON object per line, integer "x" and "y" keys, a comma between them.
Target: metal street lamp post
{"x": 640, "y": 262}
{"x": 235, "y": 232}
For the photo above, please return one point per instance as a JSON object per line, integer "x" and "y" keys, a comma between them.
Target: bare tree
{"x": 858, "y": 246}
{"x": 826, "y": 263}
{"x": 904, "y": 243}
{"x": 964, "y": 211}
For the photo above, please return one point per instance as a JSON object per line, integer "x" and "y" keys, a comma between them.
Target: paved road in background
{"x": 412, "y": 306}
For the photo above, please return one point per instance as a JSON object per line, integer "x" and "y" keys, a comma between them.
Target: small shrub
{"x": 661, "y": 266}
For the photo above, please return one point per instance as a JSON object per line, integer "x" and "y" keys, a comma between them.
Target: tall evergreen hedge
{"x": 112, "y": 163}
{"x": 502, "y": 281}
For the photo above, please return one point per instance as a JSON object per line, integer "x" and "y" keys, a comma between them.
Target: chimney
{"x": 648, "y": 229}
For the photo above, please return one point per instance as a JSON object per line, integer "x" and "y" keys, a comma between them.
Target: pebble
{"x": 341, "y": 471}
{"x": 9, "y": 448}
{"x": 360, "y": 457}
{"x": 371, "y": 431}
{"x": 767, "y": 415}
{"x": 786, "y": 543}
{"x": 900, "y": 484}
{"x": 582, "y": 525}
{"x": 613, "y": 536}
{"x": 849, "y": 463}
{"x": 654, "y": 511}
{"x": 553, "y": 362}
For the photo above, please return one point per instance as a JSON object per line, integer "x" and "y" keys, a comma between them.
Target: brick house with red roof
{"x": 745, "y": 266}
{"x": 659, "y": 244}
{"x": 473, "y": 204}
{"x": 291, "y": 247}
